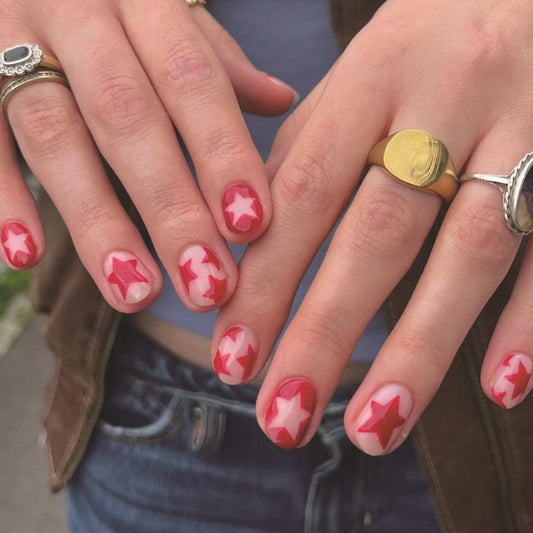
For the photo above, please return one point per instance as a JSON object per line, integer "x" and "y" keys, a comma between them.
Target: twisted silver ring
{"x": 517, "y": 190}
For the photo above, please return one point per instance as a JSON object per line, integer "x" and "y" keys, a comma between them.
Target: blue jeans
{"x": 175, "y": 450}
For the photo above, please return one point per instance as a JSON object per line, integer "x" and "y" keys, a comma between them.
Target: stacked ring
{"x": 23, "y": 58}
{"x": 418, "y": 160}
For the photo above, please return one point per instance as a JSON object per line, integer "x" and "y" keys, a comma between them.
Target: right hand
{"x": 136, "y": 71}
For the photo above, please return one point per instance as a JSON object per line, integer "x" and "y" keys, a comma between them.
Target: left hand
{"x": 462, "y": 71}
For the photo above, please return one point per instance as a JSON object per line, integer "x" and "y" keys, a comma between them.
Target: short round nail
{"x": 380, "y": 423}
{"x": 236, "y": 355}
{"x": 203, "y": 277}
{"x": 243, "y": 212}
{"x": 511, "y": 381}
{"x": 280, "y": 83}
{"x": 289, "y": 413}
{"x": 19, "y": 245}
{"x": 127, "y": 276}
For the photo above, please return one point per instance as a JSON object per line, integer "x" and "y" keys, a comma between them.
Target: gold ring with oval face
{"x": 418, "y": 160}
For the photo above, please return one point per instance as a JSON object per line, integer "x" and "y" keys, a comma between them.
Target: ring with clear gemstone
{"x": 23, "y": 58}
{"x": 517, "y": 189}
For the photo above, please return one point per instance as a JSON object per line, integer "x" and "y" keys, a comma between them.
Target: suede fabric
{"x": 478, "y": 458}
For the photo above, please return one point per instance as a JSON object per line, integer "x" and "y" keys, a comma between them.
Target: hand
{"x": 136, "y": 71}
{"x": 460, "y": 70}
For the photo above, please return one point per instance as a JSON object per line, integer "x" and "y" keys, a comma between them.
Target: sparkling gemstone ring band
{"x": 24, "y": 58}
{"x": 418, "y": 160}
{"x": 517, "y": 189}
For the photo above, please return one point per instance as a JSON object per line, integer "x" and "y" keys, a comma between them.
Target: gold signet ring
{"x": 419, "y": 160}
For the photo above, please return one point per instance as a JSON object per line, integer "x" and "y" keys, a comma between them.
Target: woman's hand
{"x": 462, "y": 71}
{"x": 137, "y": 70}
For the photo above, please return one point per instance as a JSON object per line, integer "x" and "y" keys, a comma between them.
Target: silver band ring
{"x": 23, "y": 58}
{"x": 517, "y": 189}
{"x": 197, "y": 2}
{"x": 12, "y": 86}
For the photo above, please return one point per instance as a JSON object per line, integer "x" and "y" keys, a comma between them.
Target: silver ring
{"x": 197, "y": 2}
{"x": 517, "y": 189}
{"x": 23, "y": 58}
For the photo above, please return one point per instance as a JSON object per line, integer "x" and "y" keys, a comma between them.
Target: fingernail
{"x": 19, "y": 245}
{"x": 242, "y": 209}
{"x": 290, "y": 413}
{"x": 236, "y": 355}
{"x": 128, "y": 277}
{"x": 380, "y": 423}
{"x": 511, "y": 381}
{"x": 279, "y": 83}
{"x": 202, "y": 275}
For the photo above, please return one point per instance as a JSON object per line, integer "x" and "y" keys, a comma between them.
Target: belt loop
{"x": 209, "y": 429}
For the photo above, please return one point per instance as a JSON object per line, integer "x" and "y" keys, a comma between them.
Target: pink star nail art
{"x": 203, "y": 277}
{"x": 290, "y": 412}
{"x": 512, "y": 381}
{"x": 243, "y": 212}
{"x": 127, "y": 276}
{"x": 235, "y": 356}
{"x": 19, "y": 245}
{"x": 380, "y": 423}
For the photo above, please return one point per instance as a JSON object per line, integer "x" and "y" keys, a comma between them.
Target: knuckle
{"x": 223, "y": 145}
{"x": 305, "y": 183}
{"x": 417, "y": 349}
{"x": 385, "y": 226}
{"x": 90, "y": 217}
{"x": 186, "y": 66}
{"x": 46, "y": 124}
{"x": 481, "y": 235}
{"x": 121, "y": 104}
{"x": 177, "y": 217}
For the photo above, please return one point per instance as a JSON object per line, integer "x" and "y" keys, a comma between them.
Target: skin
{"x": 468, "y": 83}
{"x": 125, "y": 105}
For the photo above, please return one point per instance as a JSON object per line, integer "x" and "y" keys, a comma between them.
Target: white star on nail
{"x": 289, "y": 415}
{"x": 240, "y": 207}
{"x": 16, "y": 243}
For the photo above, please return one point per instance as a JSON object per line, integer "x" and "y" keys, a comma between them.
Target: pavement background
{"x": 26, "y": 504}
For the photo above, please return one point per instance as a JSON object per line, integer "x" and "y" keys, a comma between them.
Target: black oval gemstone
{"x": 16, "y": 55}
{"x": 525, "y": 202}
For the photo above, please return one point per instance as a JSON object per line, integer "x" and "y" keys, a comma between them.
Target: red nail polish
{"x": 128, "y": 277}
{"x": 243, "y": 212}
{"x": 512, "y": 381}
{"x": 19, "y": 245}
{"x": 290, "y": 413}
{"x": 202, "y": 275}
{"x": 236, "y": 355}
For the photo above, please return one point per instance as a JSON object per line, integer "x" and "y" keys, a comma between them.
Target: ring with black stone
{"x": 24, "y": 58}
{"x": 517, "y": 190}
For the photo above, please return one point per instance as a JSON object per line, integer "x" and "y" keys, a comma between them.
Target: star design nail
{"x": 128, "y": 276}
{"x": 379, "y": 424}
{"x": 204, "y": 280}
{"x": 18, "y": 245}
{"x": 512, "y": 380}
{"x": 290, "y": 412}
{"x": 235, "y": 356}
{"x": 242, "y": 209}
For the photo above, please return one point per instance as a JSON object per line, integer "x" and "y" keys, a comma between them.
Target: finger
{"x": 310, "y": 190}
{"x": 20, "y": 228}
{"x": 136, "y": 137}
{"x": 258, "y": 93}
{"x": 199, "y": 98}
{"x": 471, "y": 255}
{"x": 57, "y": 146}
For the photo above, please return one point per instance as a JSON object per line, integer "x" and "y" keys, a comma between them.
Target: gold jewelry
{"x": 202, "y": 3}
{"x": 11, "y": 86}
{"x": 419, "y": 160}
{"x": 23, "y": 58}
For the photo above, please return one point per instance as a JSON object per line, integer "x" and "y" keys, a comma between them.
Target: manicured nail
{"x": 290, "y": 412}
{"x": 203, "y": 277}
{"x": 236, "y": 355}
{"x": 279, "y": 83}
{"x": 380, "y": 423}
{"x": 19, "y": 245}
{"x": 511, "y": 381}
{"x": 242, "y": 209}
{"x": 128, "y": 277}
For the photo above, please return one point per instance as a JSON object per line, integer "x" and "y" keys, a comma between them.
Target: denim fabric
{"x": 175, "y": 450}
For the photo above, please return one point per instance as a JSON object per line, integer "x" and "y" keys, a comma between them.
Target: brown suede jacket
{"x": 478, "y": 457}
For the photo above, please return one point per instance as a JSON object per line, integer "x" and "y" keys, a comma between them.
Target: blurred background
{"x": 26, "y": 504}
